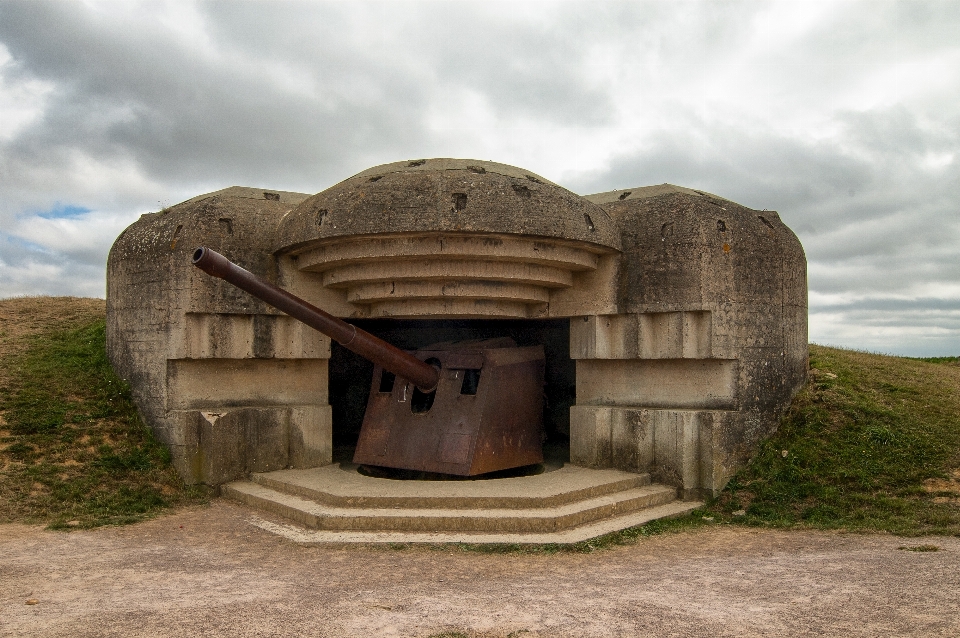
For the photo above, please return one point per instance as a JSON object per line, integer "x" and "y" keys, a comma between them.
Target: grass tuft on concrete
{"x": 73, "y": 450}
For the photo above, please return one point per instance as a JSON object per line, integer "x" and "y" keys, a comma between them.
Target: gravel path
{"x": 209, "y": 572}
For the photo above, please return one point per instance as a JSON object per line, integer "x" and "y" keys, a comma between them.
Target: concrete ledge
{"x": 332, "y": 485}
{"x": 568, "y": 504}
{"x": 542, "y": 519}
{"x": 198, "y": 384}
{"x": 691, "y": 384}
{"x": 583, "y": 533}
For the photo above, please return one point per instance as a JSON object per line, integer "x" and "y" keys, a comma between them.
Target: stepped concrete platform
{"x": 566, "y": 504}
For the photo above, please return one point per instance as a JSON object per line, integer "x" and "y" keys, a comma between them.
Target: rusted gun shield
{"x": 485, "y": 415}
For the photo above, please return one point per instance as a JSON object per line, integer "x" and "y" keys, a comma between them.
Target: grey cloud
{"x": 760, "y": 169}
{"x": 124, "y": 89}
{"x": 820, "y": 188}
{"x": 130, "y": 88}
{"x": 866, "y": 308}
{"x": 909, "y": 330}
{"x": 863, "y": 31}
{"x": 532, "y": 68}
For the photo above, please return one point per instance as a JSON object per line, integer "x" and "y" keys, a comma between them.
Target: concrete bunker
{"x": 684, "y": 314}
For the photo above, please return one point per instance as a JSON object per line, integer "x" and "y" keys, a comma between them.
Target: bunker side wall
{"x": 229, "y": 384}
{"x": 707, "y": 349}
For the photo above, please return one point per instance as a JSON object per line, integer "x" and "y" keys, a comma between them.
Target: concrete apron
{"x": 565, "y": 504}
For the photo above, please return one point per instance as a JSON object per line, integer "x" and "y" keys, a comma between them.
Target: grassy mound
{"x": 872, "y": 442}
{"x": 73, "y": 450}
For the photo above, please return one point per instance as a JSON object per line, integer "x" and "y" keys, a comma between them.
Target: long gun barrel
{"x": 402, "y": 364}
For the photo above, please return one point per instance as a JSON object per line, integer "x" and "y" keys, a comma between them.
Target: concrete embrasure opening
{"x": 351, "y": 378}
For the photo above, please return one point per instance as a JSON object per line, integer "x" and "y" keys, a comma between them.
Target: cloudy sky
{"x": 842, "y": 116}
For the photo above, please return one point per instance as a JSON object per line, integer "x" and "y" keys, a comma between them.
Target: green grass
{"x": 954, "y": 360}
{"x": 74, "y": 452}
{"x": 872, "y": 443}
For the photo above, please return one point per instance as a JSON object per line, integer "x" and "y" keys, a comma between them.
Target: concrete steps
{"x": 564, "y": 505}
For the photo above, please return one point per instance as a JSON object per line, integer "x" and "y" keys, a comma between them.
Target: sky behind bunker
{"x": 842, "y": 116}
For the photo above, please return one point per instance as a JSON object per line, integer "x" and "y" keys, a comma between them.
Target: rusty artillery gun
{"x": 462, "y": 408}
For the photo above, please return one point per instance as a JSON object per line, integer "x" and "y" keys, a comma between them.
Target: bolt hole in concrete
{"x": 459, "y": 201}
{"x": 765, "y": 221}
{"x": 522, "y": 190}
{"x": 321, "y": 215}
{"x": 721, "y": 226}
{"x": 417, "y": 163}
{"x": 624, "y": 195}
{"x": 589, "y": 221}
{"x": 273, "y": 197}
{"x": 479, "y": 170}
{"x": 376, "y": 179}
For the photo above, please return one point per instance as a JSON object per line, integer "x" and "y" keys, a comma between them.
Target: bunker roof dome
{"x": 427, "y": 196}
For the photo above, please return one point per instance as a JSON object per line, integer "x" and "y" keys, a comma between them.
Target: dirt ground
{"x": 208, "y": 571}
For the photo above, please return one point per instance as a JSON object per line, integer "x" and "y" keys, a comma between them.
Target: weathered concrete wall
{"x": 228, "y": 383}
{"x": 709, "y": 344}
{"x": 687, "y": 311}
